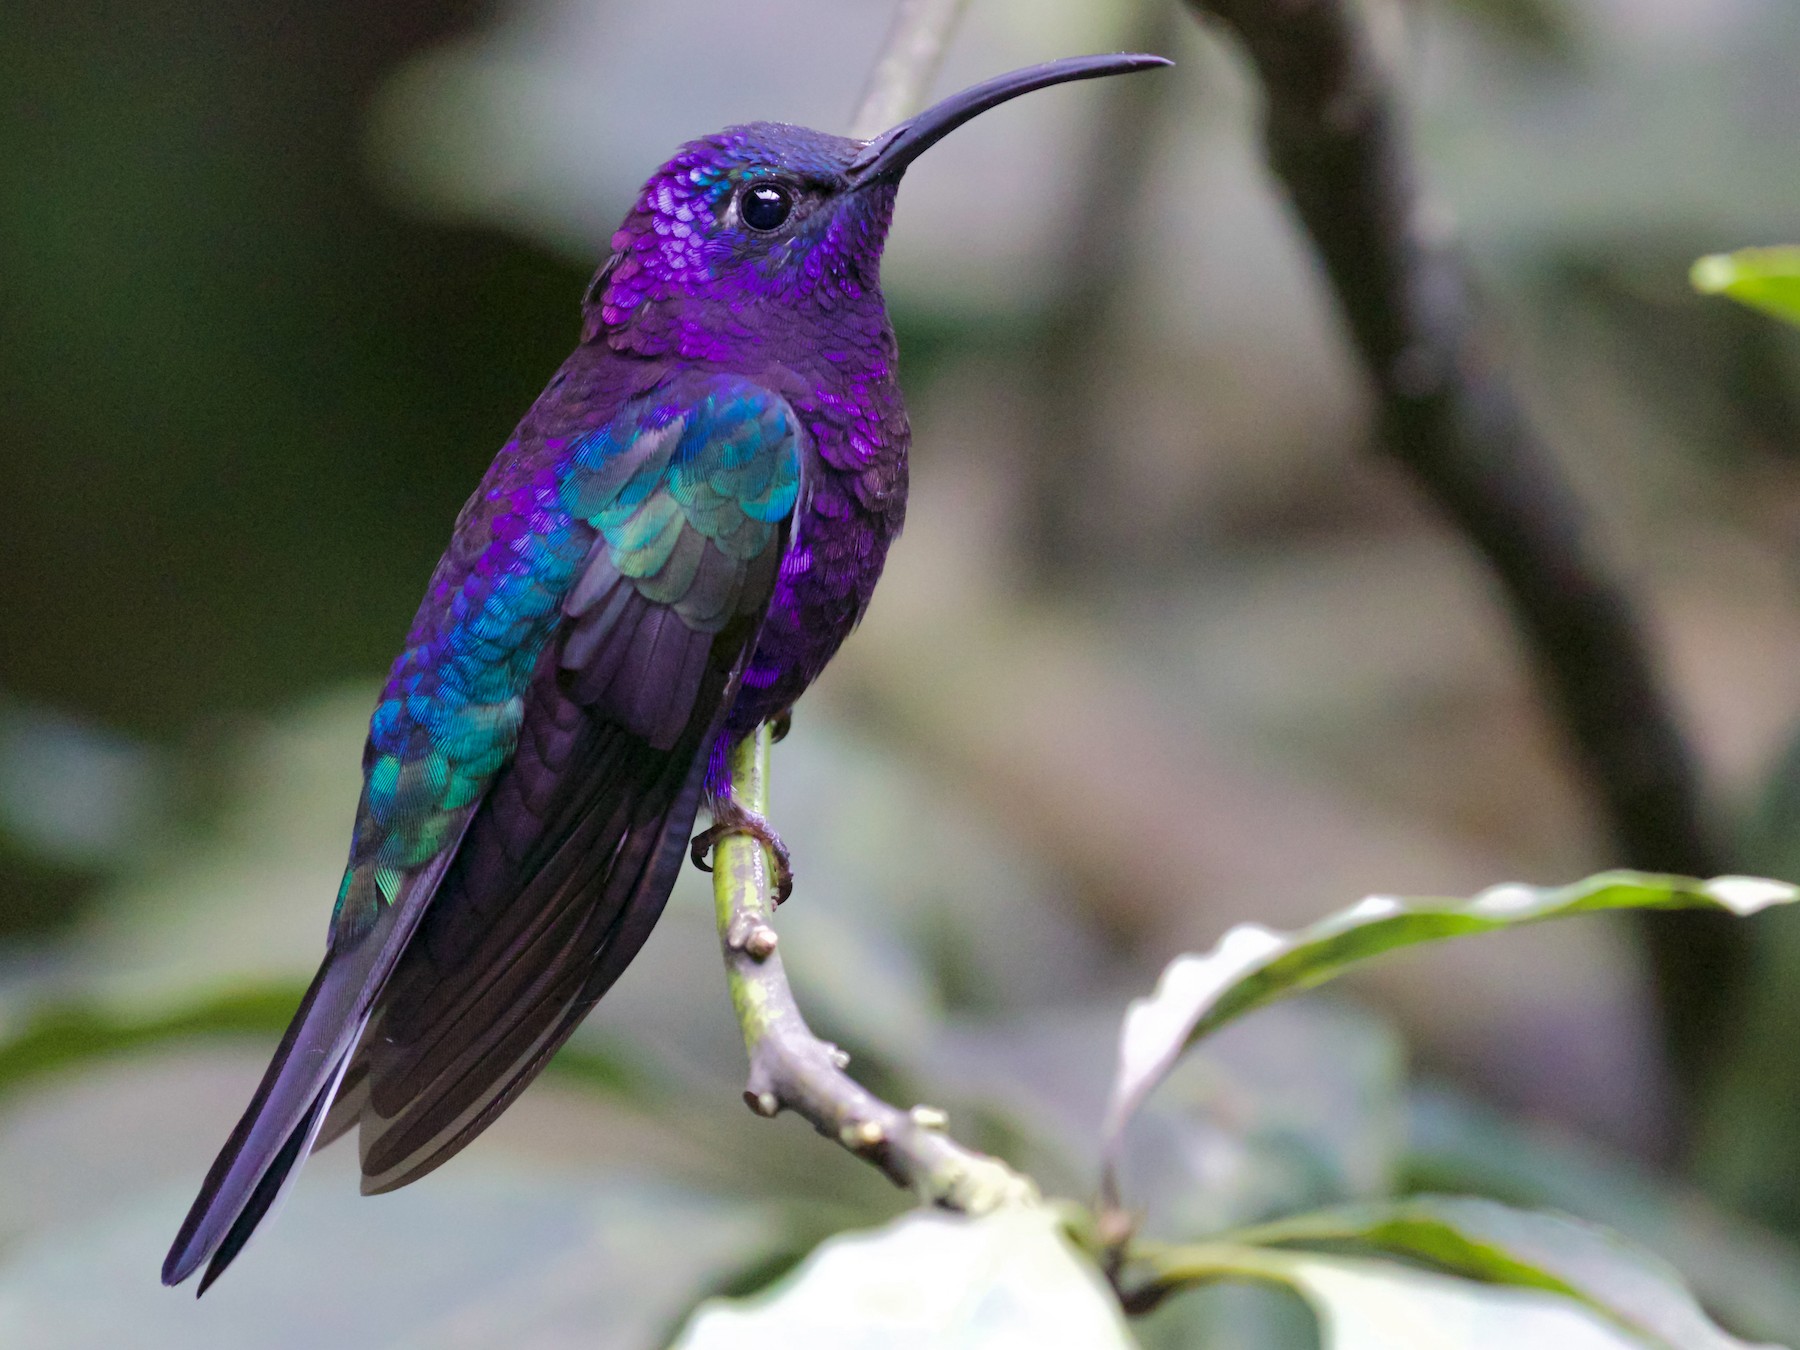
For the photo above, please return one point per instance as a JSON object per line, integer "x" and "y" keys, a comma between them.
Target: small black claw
{"x": 702, "y": 845}
{"x": 784, "y": 872}
{"x": 780, "y": 725}
{"x": 734, "y": 819}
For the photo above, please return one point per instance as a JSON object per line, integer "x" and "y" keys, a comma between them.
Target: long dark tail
{"x": 259, "y": 1160}
{"x": 444, "y": 1011}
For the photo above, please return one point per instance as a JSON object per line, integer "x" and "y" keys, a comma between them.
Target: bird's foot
{"x": 730, "y": 818}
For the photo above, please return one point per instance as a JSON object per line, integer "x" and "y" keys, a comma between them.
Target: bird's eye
{"x": 766, "y": 206}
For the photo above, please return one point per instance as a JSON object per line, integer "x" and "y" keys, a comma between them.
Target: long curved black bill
{"x": 887, "y": 156}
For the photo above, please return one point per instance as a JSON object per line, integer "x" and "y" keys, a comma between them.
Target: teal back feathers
{"x": 705, "y": 462}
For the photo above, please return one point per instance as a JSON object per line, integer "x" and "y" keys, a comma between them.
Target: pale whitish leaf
{"x": 1369, "y": 1305}
{"x": 1379, "y": 1305}
{"x": 1496, "y": 1244}
{"x": 1253, "y": 965}
{"x": 1005, "y": 1280}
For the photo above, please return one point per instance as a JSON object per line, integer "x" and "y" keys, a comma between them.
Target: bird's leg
{"x": 730, "y": 818}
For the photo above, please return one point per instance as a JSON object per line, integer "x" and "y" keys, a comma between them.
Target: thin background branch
{"x": 909, "y": 61}
{"x": 1336, "y": 138}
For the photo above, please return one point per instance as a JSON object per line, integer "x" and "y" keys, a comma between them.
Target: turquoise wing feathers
{"x": 680, "y": 494}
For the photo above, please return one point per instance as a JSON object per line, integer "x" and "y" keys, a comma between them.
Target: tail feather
{"x": 290, "y": 1103}
{"x": 272, "y": 1187}
{"x": 310, "y": 1055}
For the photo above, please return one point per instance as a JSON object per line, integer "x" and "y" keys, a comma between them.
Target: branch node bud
{"x": 930, "y": 1117}
{"x": 862, "y": 1134}
{"x": 765, "y": 1104}
{"x": 749, "y": 934}
{"x": 760, "y": 944}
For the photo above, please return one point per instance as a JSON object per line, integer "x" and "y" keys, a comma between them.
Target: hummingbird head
{"x": 743, "y": 227}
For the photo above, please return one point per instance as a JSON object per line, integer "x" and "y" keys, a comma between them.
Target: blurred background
{"x": 1165, "y": 647}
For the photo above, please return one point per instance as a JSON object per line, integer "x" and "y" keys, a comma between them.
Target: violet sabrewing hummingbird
{"x": 672, "y": 545}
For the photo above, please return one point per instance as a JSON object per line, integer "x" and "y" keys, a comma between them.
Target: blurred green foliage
{"x": 237, "y": 383}
{"x": 1300, "y": 1108}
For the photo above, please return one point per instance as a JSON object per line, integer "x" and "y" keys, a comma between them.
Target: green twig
{"x": 792, "y": 1069}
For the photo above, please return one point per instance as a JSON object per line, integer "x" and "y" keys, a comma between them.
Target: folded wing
{"x": 567, "y": 865}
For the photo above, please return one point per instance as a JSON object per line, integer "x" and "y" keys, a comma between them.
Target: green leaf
{"x": 1371, "y": 1305}
{"x": 69, "y": 1035}
{"x": 1253, "y": 965}
{"x": 1241, "y": 1316}
{"x": 65, "y": 1035}
{"x": 1763, "y": 278}
{"x": 1495, "y": 1244}
{"x": 1747, "y": 1275}
{"x": 1007, "y": 1279}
